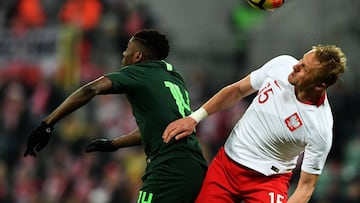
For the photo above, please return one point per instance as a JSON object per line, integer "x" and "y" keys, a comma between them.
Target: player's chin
{"x": 291, "y": 79}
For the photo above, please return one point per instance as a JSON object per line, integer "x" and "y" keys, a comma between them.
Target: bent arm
{"x": 79, "y": 98}
{"x": 224, "y": 99}
{"x": 130, "y": 139}
{"x": 305, "y": 188}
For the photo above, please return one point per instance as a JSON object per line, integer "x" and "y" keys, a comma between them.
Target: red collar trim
{"x": 319, "y": 102}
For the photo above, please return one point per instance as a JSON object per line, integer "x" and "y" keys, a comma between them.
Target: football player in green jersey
{"x": 158, "y": 96}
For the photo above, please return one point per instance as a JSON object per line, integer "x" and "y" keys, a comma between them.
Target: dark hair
{"x": 156, "y": 44}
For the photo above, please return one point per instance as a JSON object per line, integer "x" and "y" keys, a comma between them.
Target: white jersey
{"x": 277, "y": 128}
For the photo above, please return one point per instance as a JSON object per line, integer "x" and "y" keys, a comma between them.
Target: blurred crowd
{"x": 49, "y": 48}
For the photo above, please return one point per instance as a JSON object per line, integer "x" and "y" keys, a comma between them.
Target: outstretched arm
{"x": 79, "y": 98}
{"x": 229, "y": 96}
{"x": 304, "y": 189}
{"x": 224, "y": 99}
{"x": 40, "y": 136}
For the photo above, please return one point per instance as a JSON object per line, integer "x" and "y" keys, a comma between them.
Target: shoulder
{"x": 283, "y": 60}
{"x": 126, "y": 70}
{"x": 277, "y": 68}
{"x": 126, "y": 75}
{"x": 279, "y": 62}
{"x": 281, "y": 65}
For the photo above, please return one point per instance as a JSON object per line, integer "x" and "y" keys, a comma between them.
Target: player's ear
{"x": 320, "y": 87}
{"x": 137, "y": 57}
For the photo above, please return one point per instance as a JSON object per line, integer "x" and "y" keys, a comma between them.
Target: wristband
{"x": 199, "y": 114}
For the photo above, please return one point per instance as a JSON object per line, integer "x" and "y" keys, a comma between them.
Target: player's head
{"x": 146, "y": 44}
{"x": 332, "y": 61}
{"x": 155, "y": 44}
{"x": 318, "y": 69}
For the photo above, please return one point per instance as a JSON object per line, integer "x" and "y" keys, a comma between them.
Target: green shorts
{"x": 173, "y": 181}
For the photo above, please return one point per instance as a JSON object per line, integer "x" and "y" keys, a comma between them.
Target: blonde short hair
{"x": 333, "y": 62}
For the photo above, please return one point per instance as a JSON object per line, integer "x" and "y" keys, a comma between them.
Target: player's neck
{"x": 313, "y": 98}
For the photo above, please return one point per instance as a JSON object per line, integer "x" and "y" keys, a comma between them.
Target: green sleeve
{"x": 124, "y": 79}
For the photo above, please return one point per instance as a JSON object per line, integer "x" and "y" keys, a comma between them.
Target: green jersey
{"x": 158, "y": 96}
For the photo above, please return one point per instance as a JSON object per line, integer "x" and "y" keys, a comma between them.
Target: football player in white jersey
{"x": 290, "y": 115}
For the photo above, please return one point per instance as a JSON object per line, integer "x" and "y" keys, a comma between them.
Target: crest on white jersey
{"x": 293, "y": 122}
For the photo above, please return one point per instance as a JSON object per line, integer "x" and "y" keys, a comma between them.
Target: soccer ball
{"x": 268, "y": 5}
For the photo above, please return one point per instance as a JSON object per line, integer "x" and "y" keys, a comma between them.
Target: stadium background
{"x": 49, "y": 48}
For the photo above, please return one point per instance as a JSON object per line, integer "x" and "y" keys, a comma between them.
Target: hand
{"x": 101, "y": 145}
{"x": 38, "y": 139}
{"x": 179, "y": 129}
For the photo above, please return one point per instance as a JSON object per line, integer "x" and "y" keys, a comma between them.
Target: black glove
{"x": 38, "y": 139}
{"x": 101, "y": 145}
